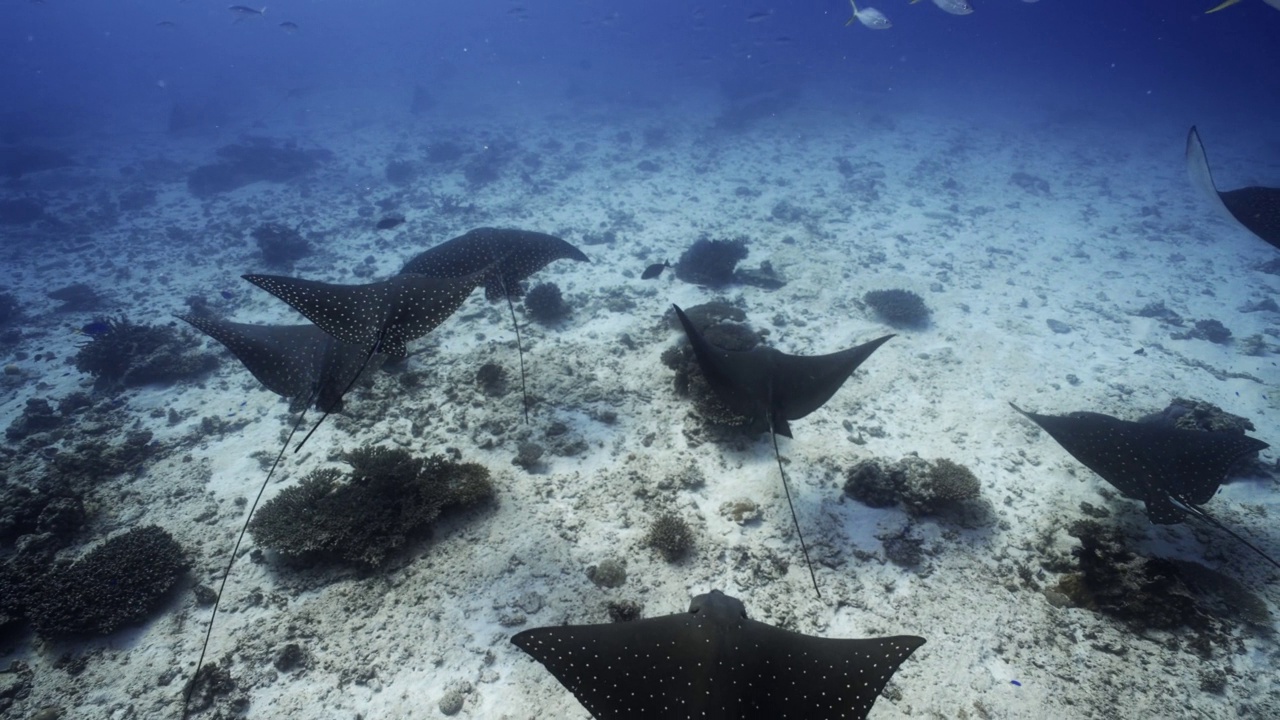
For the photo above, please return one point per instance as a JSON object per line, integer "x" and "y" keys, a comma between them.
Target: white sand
{"x": 993, "y": 262}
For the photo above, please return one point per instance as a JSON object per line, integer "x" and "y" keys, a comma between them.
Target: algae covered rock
{"x": 119, "y": 583}
{"x": 363, "y": 516}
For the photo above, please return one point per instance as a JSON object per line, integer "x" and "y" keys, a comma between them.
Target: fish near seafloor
{"x": 770, "y": 388}
{"x": 389, "y": 222}
{"x": 654, "y": 270}
{"x": 869, "y": 17}
{"x": 715, "y": 662}
{"x": 1172, "y": 470}
{"x": 1257, "y": 208}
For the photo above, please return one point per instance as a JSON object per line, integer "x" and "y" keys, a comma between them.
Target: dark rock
{"x": 608, "y": 574}
{"x": 624, "y": 610}
{"x": 76, "y": 298}
{"x": 128, "y": 355}
{"x": 899, "y": 308}
{"x": 1030, "y": 183}
{"x": 20, "y": 212}
{"x": 362, "y": 517}
{"x": 670, "y": 535}
{"x": 492, "y": 379}
{"x": 258, "y": 160}
{"x": 710, "y": 262}
{"x": 118, "y": 583}
{"x": 545, "y": 304}
{"x": 281, "y": 245}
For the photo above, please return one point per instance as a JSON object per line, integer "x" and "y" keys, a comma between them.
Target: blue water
{"x": 82, "y": 66}
{"x": 1020, "y": 167}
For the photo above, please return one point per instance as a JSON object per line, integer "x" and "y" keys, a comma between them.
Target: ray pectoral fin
{"x": 1256, "y": 208}
{"x": 802, "y": 383}
{"x": 715, "y": 662}
{"x": 1200, "y": 175}
{"x": 739, "y": 379}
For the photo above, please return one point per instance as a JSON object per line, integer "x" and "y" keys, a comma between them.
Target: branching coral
{"x": 363, "y": 516}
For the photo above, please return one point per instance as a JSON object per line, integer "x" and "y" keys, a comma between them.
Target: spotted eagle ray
{"x": 1172, "y": 470}
{"x": 298, "y": 362}
{"x": 375, "y": 318}
{"x": 715, "y": 662}
{"x": 772, "y": 388}
{"x": 1255, "y": 207}
{"x": 507, "y": 257}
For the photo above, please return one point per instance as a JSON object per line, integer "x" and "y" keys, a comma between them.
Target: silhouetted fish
{"x": 771, "y": 388}
{"x": 289, "y": 27}
{"x": 715, "y": 662}
{"x": 1256, "y": 208}
{"x": 654, "y": 270}
{"x": 389, "y": 222}
{"x": 245, "y": 10}
{"x": 1173, "y": 471}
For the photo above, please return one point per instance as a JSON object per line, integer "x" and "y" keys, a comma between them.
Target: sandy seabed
{"x": 950, "y": 210}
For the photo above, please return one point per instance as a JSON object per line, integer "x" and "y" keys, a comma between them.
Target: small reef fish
{"x": 654, "y": 270}
{"x": 956, "y": 7}
{"x": 389, "y": 222}
{"x": 289, "y": 27}
{"x": 870, "y": 17}
{"x": 246, "y": 11}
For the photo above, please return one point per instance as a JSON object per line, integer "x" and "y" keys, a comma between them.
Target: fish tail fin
{"x": 852, "y": 18}
{"x": 1223, "y": 6}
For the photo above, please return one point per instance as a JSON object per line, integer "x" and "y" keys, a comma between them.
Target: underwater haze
{"x": 587, "y": 359}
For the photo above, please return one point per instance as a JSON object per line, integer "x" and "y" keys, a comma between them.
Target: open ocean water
{"x": 399, "y": 280}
